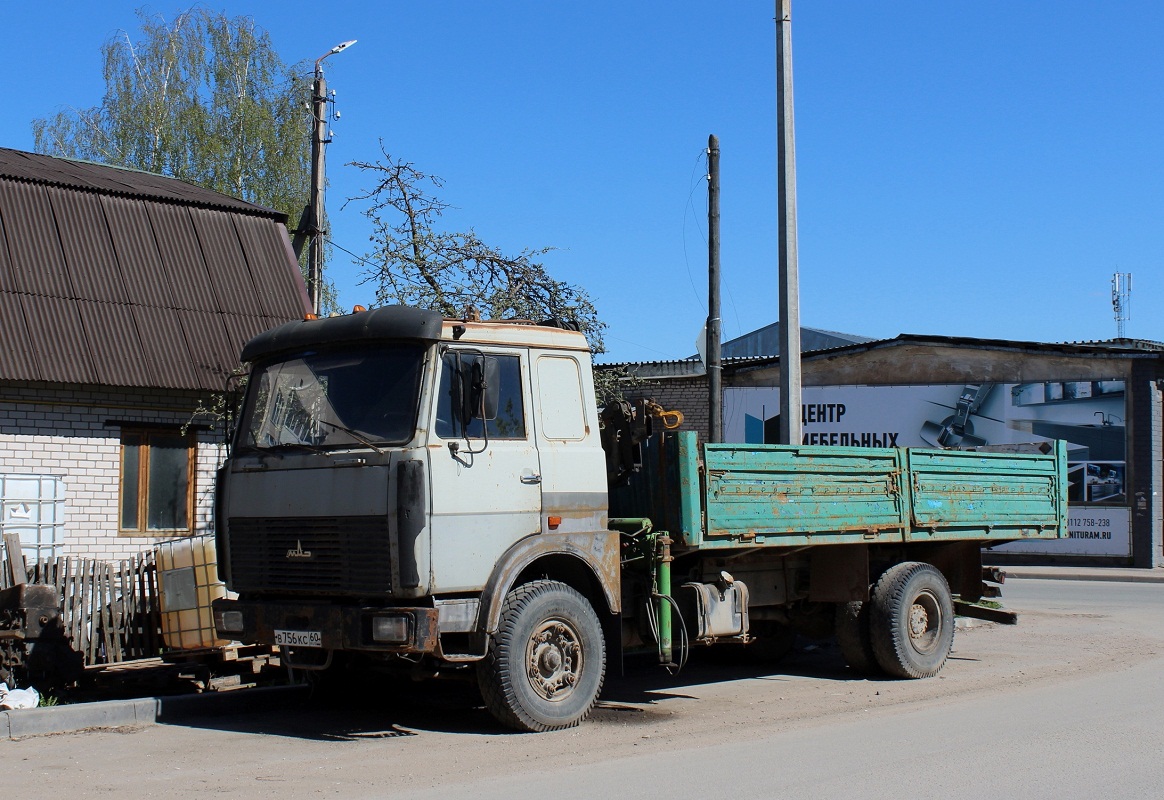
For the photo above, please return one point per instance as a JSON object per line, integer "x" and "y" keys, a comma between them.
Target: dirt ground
{"x": 365, "y": 741}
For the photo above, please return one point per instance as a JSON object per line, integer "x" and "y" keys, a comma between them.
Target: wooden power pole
{"x": 714, "y": 324}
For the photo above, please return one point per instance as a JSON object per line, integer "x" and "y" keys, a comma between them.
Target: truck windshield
{"x": 334, "y": 398}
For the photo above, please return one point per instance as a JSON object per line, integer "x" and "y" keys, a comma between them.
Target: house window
{"x": 33, "y": 506}
{"x": 157, "y": 481}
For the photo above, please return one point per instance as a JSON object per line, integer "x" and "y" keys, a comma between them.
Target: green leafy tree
{"x": 419, "y": 264}
{"x": 203, "y": 98}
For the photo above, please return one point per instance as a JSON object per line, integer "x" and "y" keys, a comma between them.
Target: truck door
{"x": 486, "y": 477}
{"x": 574, "y": 497}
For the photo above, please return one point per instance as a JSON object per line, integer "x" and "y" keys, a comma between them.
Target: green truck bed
{"x": 733, "y": 495}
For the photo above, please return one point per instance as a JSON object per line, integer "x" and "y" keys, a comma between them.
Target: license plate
{"x": 299, "y": 638}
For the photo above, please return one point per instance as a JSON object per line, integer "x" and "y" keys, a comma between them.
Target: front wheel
{"x": 547, "y": 660}
{"x": 911, "y": 620}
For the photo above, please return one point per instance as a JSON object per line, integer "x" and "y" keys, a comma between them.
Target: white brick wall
{"x": 62, "y": 430}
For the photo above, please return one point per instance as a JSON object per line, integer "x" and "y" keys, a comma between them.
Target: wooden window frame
{"x": 146, "y": 432}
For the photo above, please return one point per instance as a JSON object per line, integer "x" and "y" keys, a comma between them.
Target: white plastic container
{"x": 188, "y": 583}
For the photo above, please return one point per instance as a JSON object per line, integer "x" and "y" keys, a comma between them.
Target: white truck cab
{"x": 395, "y": 475}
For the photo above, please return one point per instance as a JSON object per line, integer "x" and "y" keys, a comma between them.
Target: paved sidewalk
{"x": 143, "y": 711}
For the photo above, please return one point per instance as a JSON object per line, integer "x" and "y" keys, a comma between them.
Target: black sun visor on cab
{"x": 389, "y": 322}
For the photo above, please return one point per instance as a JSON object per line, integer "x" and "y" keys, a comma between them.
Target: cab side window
{"x": 510, "y": 420}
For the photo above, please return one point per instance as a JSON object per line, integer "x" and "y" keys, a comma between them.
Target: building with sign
{"x": 1102, "y": 398}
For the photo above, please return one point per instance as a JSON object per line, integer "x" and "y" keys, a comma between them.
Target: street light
{"x": 339, "y": 48}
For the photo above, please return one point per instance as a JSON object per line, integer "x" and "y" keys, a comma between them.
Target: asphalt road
{"x": 1068, "y": 704}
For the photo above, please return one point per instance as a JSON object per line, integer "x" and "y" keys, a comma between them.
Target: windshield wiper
{"x": 281, "y": 446}
{"x": 359, "y": 437}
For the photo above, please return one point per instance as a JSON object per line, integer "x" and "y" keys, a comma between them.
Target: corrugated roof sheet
{"x": 1121, "y": 348}
{"x": 104, "y": 179}
{"x": 123, "y": 278}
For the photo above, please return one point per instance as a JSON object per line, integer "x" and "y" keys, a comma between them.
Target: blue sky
{"x": 964, "y": 169}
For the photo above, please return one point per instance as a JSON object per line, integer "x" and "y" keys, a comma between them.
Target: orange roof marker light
{"x": 310, "y": 316}
{"x": 356, "y": 309}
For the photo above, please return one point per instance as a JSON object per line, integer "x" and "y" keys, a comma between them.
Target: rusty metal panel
{"x": 38, "y": 265}
{"x": 777, "y": 494}
{"x": 988, "y": 495}
{"x": 183, "y": 259}
{"x": 145, "y": 277}
{"x": 115, "y": 345}
{"x": 274, "y": 270}
{"x": 89, "y": 256}
{"x": 223, "y": 257}
{"x": 17, "y": 358}
{"x": 58, "y": 339}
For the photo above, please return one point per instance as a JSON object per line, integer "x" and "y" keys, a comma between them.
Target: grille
{"x": 349, "y": 555}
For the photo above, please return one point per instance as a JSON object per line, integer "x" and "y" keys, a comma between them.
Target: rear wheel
{"x": 547, "y": 660}
{"x": 854, "y": 639}
{"x": 911, "y": 620}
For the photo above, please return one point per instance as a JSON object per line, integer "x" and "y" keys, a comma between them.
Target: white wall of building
{"x": 65, "y": 431}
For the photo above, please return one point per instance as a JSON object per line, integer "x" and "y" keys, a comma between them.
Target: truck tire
{"x": 854, "y": 639}
{"x": 547, "y": 660}
{"x": 911, "y": 620}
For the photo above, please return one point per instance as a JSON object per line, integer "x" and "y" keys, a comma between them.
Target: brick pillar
{"x": 1146, "y": 465}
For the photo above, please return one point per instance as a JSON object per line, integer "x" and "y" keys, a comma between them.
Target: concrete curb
{"x": 1123, "y": 575}
{"x": 143, "y": 711}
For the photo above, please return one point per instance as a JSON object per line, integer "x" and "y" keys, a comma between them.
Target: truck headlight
{"x": 392, "y": 629}
{"x": 230, "y": 622}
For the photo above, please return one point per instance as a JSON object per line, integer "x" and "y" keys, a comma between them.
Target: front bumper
{"x": 340, "y": 627}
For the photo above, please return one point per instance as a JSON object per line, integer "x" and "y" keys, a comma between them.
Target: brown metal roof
{"x": 104, "y": 179}
{"x": 123, "y": 278}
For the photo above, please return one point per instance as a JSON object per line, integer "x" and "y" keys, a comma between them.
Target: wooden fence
{"x": 110, "y": 610}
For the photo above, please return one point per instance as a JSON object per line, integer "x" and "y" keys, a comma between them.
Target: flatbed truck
{"x": 444, "y": 495}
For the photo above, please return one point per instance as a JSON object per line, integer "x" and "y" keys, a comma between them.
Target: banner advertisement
{"x": 1088, "y": 415}
{"x": 1091, "y": 531}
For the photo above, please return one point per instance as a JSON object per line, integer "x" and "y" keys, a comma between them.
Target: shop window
{"x": 157, "y": 481}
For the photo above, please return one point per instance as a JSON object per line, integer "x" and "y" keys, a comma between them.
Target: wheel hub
{"x": 918, "y": 620}
{"x": 554, "y": 659}
{"x": 925, "y": 623}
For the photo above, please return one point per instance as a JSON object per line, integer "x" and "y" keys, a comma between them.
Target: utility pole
{"x": 311, "y": 222}
{"x": 714, "y": 323}
{"x": 789, "y": 287}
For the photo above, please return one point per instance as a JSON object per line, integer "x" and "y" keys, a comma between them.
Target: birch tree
{"x": 203, "y": 98}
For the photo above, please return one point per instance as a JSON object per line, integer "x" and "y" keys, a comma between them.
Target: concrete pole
{"x": 318, "y": 140}
{"x": 789, "y": 301}
{"x": 714, "y": 323}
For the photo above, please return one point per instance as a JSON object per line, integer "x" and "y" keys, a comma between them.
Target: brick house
{"x": 125, "y": 298}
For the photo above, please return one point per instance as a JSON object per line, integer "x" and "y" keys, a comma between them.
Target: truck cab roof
{"x": 403, "y": 322}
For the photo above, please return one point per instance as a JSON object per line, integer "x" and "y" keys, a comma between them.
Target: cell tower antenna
{"x": 1121, "y": 300}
